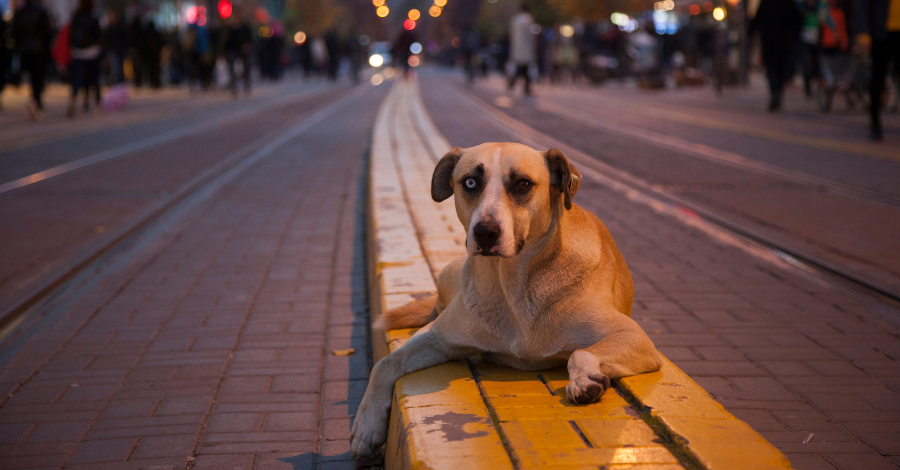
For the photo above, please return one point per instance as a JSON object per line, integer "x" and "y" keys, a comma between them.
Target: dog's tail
{"x": 412, "y": 315}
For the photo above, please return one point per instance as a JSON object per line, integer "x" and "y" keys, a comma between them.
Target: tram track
{"x": 26, "y": 307}
{"x": 694, "y": 214}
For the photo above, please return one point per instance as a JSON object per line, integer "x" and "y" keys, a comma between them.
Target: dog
{"x": 542, "y": 284}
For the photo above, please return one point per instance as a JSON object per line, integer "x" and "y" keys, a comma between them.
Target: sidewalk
{"x": 810, "y": 366}
{"x": 210, "y": 344}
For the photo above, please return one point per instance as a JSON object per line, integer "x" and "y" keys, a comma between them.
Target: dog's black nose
{"x": 486, "y": 234}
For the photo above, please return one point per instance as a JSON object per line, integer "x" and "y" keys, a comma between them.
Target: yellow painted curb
{"x": 483, "y": 416}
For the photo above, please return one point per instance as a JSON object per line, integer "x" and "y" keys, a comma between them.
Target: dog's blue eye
{"x": 471, "y": 183}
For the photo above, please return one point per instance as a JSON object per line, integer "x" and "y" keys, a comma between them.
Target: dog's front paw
{"x": 585, "y": 389}
{"x": 369, "y": 432}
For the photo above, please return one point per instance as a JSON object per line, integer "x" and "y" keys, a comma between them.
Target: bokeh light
{"x": 375, "y": 60}
{"x": 413, "y": 61}
{"x": 377, "y": 79}
{"x": 719, "y": 13}
{"x": 377, "y": 3}
{"x": 382, "y": 11}
{"x": 415, "y": 48}
{"x": 567, "y": 30}
{"x": 409, "y": 24}
{"x": 364, "y": 40}
{"x": 299, "y": 37}
{"x": 225, "y": 8}
{"x": 414, "y": 14}
{"x": 440, "y": 3}
{"x": 434, "y": 11}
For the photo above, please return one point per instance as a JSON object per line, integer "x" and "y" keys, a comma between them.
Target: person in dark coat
{"x": 31, "y": 36}
{"x": 85, "y": 41}
{"x": 878, "y": 30}
{"x": 4, "y": 56}
{"x": 116, "y": 46}
{"x": 150, "y": 53}
{"x": 135, "y": 45}
{"x": 779, "y": 23}
{"x": 238, "y": 46}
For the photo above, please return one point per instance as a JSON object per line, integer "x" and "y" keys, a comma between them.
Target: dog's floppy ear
{"x": 563, "y": 175}
{"x": 441, "y": 184}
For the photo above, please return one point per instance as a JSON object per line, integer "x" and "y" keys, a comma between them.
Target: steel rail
{"x": 201, "y": 187}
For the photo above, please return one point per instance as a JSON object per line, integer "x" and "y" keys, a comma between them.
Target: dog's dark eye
{"x": 523, "y": 185}
{"x": 471, "y": 183}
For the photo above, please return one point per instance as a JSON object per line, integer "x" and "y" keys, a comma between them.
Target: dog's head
{"x": 506, "y": 194}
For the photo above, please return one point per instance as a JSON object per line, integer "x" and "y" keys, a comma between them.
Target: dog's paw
{"x": 586, "y": 389}
{"x": 368, "y": 434}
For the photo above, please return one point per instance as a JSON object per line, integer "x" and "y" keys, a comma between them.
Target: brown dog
{"x": 543, "y": 283}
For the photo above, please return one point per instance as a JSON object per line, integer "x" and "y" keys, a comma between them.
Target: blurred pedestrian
{"x": 31, "y": 38}
{"x": 135, "y": 45}
{"x": 84, "y": 37}
{"x": 878, "y": 29}
{"x": 334, "y": 57}
{"x": 815, "y": 15}
{"x": 238, "y": 46}
{"x": 402, "y": 51}
{"x": 152, "y": 44}
{"x": 195, "y": 46}
{"x": 116, "y": 46}
{"x": 469, "y": 45}
{"x": 521, "y": 47}
{"x": 778, "y": 22}
{"x": 4, "y": 56}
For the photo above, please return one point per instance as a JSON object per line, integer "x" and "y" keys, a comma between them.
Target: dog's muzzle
{"x": 486, "y": 234}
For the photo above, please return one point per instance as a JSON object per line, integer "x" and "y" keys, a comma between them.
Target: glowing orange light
{"x": 409, "y": 24}
{"x": 414, "y": 14}
{"x": 440, "y": 3}
{"x": 454, "y": 42}
{"x": 707, "y": 6}
{"x": 300, "y": 37}
{"x": 382, "y": 11}
{"x": 694, "y": 9}
{"x": 434, "y": 11}
{"x": 225, "y": 8}
{"x": 413, "y": 61}
{"x": 377, "y": 3}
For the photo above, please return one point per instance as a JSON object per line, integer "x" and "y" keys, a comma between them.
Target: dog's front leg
{"x": 423, "y": 350}
{"x": 627, "y": 351}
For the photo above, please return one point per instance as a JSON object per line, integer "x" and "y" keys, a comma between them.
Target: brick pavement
{"x": 812, "y": 367}
{"x": 209, "y": 345}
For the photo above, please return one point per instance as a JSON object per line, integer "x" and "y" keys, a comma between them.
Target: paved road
{"x": 810, "y": 365}
{"x": 56, "y": 223}
{"x": 207, "y": 342}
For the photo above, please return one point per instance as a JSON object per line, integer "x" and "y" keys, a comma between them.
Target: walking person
{"x": 778, "y": 22}
{"x": 152, "y": 46}
{"x": 238, "y": 46}
{"x": 521, "y": 47}
{"x": 878, "y": 31}
{"x": 31, "y": 38}
{"x": 116, "y": 40}
{"x": 85, "y": 38}
{"x": 4, "y": 56}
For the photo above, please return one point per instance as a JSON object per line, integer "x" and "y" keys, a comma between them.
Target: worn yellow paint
{"x": 497, "y": 418}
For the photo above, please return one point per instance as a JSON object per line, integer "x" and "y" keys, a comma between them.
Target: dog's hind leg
{"x": 412, "y": 315}
{"x": 627, "y": 351}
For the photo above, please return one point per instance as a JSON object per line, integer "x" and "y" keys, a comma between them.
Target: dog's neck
{"x": 512, "y": 275}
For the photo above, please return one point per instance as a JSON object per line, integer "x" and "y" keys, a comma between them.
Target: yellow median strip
{"x": 484, "y": 416}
